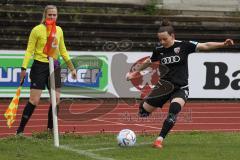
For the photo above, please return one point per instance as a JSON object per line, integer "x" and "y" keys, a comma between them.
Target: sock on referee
{"x": 26, "y": 115}
{"x": 169, "y": 122}
{"x": 50, "y": 117}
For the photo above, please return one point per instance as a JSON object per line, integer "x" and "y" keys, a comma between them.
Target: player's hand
{"x": 228, "y": 42}
{"x": 74, "y": 74}
{"x": 131, "y": 75}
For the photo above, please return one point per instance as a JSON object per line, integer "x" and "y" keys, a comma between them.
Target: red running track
{"x": 85, "y": 117}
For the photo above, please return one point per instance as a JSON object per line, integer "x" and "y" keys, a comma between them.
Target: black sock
{"x": 169, "y": 122}
{"x": 50, "y": 117}
{"x": 27, "y": 113}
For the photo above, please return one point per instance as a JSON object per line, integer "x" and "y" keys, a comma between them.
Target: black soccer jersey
{"x": 176, "y": 59}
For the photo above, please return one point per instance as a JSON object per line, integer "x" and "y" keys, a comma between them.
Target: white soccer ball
{"x": 126, "y": 137}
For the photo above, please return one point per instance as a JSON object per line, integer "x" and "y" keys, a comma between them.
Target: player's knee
{"x": 33, "y": 101}
{"x": 142, "y": 111}
{"x": 174, "y": 109}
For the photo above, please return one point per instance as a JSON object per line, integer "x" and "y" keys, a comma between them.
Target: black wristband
{"x": 23, "y": 69}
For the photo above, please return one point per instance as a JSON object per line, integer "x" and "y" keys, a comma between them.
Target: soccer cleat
{"x": 158, "y": 144}
{"x": 50, "y": 131}
{"x": 19, "y": 134}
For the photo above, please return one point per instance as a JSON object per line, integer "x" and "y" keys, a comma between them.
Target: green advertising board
{"x": 92, "y": 75}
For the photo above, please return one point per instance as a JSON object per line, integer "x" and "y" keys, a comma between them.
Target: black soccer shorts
{"x": 156, "y": 97}
{"x": 40, "y": 78}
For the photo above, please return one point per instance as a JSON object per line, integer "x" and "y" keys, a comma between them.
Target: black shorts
{"x": 39, "y": 75}
{"x": 156, "y": 100}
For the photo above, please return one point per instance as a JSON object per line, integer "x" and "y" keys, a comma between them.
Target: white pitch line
{"x": 94, "y": 144}
{"x": 101, "y": 149}
{"x": 80, "y": 152}
{"x": 117, "y": 147}
{"x": 85, "y": 153}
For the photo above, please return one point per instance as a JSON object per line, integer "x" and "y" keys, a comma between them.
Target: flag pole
{"x": 53, "y": 100}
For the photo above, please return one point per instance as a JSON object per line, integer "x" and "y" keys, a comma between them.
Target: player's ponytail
{"x": 166, "y": 26}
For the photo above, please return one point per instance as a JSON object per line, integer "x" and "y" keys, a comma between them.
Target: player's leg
{"x": 177, "y": 101}
{"x": 148, "y": 105}
{"x": 156, "y": 98}
{"x": 145, "y": 109}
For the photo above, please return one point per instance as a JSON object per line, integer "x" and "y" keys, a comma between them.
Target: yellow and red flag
{"x": 11, "y": 111}
{"x": 51, "y": 47}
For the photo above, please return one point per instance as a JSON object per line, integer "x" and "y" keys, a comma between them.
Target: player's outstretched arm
{"x": 214, "y": 45}
{"x": 132, "y": 74}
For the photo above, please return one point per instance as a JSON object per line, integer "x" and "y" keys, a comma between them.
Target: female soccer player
{"x": 44, "y": 38}
{"x": 174, "y": 55}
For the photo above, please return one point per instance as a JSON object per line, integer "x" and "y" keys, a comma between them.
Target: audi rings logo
{"x": 170, "y": 60}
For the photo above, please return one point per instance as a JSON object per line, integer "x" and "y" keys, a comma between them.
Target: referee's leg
{"x": 57, "y": 73}
{"x": 35, "y": 95}
{"x": 50, "y": 114}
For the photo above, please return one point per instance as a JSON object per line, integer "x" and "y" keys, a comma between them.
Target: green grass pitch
{"x": 177, "y": 146}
